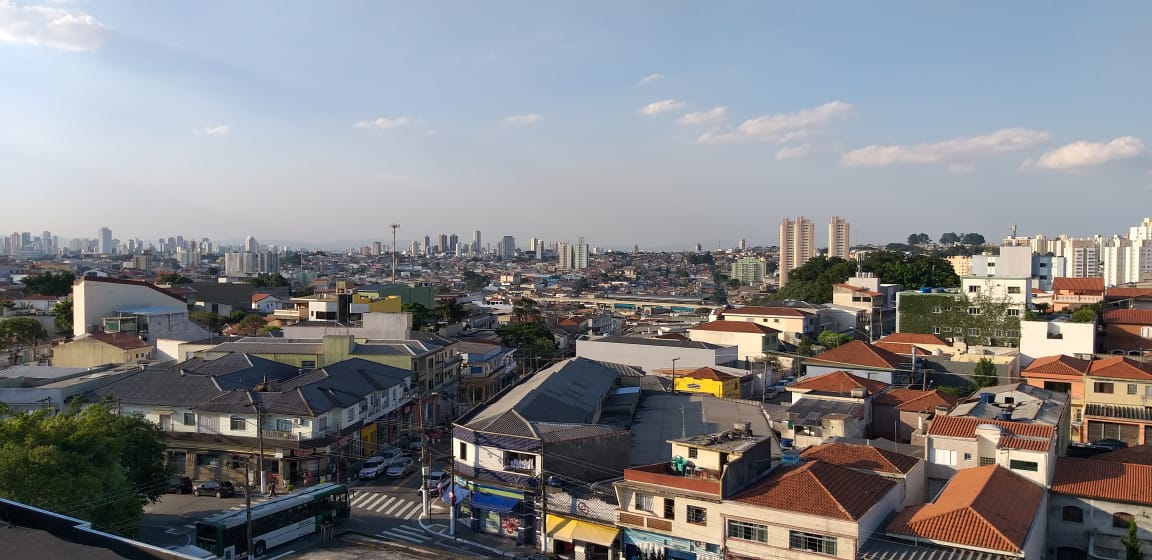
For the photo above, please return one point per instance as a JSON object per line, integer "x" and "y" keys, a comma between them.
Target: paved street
{"x": 170, "y": 521}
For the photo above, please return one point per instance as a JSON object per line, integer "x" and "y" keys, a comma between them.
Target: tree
{"x": 19, "y": 333}
{"x": 524, "y": 308}
{"x": 812, "y": 281}
{"x": 919, "y": 239}
{"x": 450, "y": 311}
{"x": 50, "y": 283}
{"x": 949, "y": 238}
{"x": 1132, "y": 545}
{"x": 88, "y": 463}
{"x": 832, "y": 339}
{"x": 473, "y": 281}
{"x": 174, "y": 278}
{"x": 421, "y": 316}
{"x": 273, "y": 280}
{"x": 62, "y": 313}
{"x": 251, "y": 325}
{"x": 911, "y": 271}
{"x": 972, "y": 239}
{"x": 733, "y": 284}
{"x": 208, "y": 320}
{"x": 1041, "y": 307}
{"x": 531, "y": 338}
{"x": 1083, "y": 315}
{"x": 804, "y": 347}
{"x": 985, "y": 373}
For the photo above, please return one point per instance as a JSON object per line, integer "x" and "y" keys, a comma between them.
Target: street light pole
{"x": 674, "y": 374}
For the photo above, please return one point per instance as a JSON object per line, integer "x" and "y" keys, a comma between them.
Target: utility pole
{"x": 248, "y": 503}
{"x": 424, "y": 469}
{"x": 674, "y": 374}
{"x": 394, "y": 228}
{"x": 259, "y": 437}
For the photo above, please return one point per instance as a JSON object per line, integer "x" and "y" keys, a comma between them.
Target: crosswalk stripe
{"x": 361, "y": 499}
{"x": 410, "y": 530}
{"x": 401, "y": 536}
{"x": 408, "y": 514}
{"x": 385, "y": 504}
{"x": 373, "y": 503}
{"x": 396, "y": 505}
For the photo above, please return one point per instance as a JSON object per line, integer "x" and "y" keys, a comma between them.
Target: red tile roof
{"x": 987, "y": 507}
{"x": 769, "y": 311}
{"x": 709, "y": 373}
{"x": 1103, "y": 480}
{"x": 838, "y": 383}
{"x": 857, "y": 289}
{"x": 1120, "y": 367}
{"x": 735, "y": 327}
{"x": 915, "y": 400}
{"x": 123, "y": 341}
{"x": 1014, "y": 435}
{"x": 818, "y": 488}
{"x": 916, "y": 338}
{"x": 1128, "y": 293}
{"x": 858, "y": 353}
{"x": 259, "y": 297}
{"x": 1092, "y": 284}
{"x": 38, "y": 297}
{"x": 902, "y": 348}
{"x": 1137, "y": 454}
{"x": 1058, "y": 365}
{"x": 1128, "y": 317}
{"x": 861, "y": 457}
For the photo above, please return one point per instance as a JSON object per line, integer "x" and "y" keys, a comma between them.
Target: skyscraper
{"x": 476, "y": 242}
{"x": 104, "y": 241}
{"x": 580, "y": 255}
{"x": 564, "y": 252}
{"x": 796, "y": 240}
{"x": 838, "y": 240}
{"x": 454, "y": 243}
{"x": 250, "y": 244}
{"x": 507, "y": 248}
{"x": 442, "y": 243}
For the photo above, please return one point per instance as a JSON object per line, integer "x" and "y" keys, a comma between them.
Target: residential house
{"x": 1092, "y": 503}
{"x": 898, "y": 413}
{"x": 1057, "y": 336}
{"x": 752, "y": 340}
{"x": 1117, "y": 396}
{"x": 875, "y": 304}
{"x": 655, "y": 353}
{"x": 486, "y": 368}
{"x": 100, "y": 348}
{"x": 955, "y": 444}
{"x": 1127, "y": 332}
{"x": 930, "y": 342}
{"x": 1063, "y": 374}
{"x": 1128, "y": 298}
{"x": 906, "y": 471}
{"x": 792, "y": 322}
{"x": 38, "y": 302}
{"x": 267, "y": 304}
{"x": 1068, "y": 294}
{"x": 983, "y": 311}
{"x": 986, "y": 512}
{"x": 710, "y": 381}
{"x": 837, "y": 404}
{"x": 1021, "y": 402}
{"x": 864, "y": 360}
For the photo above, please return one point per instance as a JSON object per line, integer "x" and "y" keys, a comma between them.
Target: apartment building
{"x": 797, "y": 245}
{"x": 839, "y": 241}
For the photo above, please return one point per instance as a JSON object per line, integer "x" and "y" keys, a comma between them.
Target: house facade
{"x": 1092, "y": 503}
{"x": 751, "y": 339}
{"x": 1117, "y": 396}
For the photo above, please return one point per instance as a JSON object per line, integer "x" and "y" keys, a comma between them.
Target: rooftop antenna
{"x": 394, "y": 228}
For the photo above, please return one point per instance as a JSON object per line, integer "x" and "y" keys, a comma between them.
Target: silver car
{"x": 401, "y": 468}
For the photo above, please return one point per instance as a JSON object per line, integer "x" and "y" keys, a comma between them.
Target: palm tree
{"x": 523, "y": 308}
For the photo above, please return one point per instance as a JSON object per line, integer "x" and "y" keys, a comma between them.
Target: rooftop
{"x": 663, "y": 417}
{"x": 1112, "y": 481}
{"x": 859, "y": 353}
{"x": 820, "y": 489}
{"x": 837, "y": 383}
{"x": 915, "y": 400}
{"x": 861, "y": 457}
{"x": 1058, "y": 365}
{"x": 1014, "y": 435}
{"x": 735, "y": 327}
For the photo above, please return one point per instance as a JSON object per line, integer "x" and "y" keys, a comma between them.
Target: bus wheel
{"x": 259, "y": 548}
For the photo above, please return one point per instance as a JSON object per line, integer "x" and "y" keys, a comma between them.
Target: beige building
{"x": 752, "y": 339}
{"x": 796, "y": 245}
{"x": 838, "y": 239}
{"x": 961, "y": 265}
{"x": 101, "y": 348}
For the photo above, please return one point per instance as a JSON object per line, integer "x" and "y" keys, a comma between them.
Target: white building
{"x": 1058, "y": 336}
{"x": 114, "y": 305}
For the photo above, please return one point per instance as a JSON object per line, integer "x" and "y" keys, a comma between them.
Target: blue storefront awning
{"x": 491, "y": 502}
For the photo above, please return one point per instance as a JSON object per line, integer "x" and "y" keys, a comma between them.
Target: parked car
{"x": 390, "y": 455}
{"x": 179, "y": 485}
{"x": 218, "y": 488}
{"x": 373, "y": 467}
{"x": 401, "y": 468}
{"x": 415, "y": 447}
{"x": 771, "y": 391}
{"x": 434, "y": 482}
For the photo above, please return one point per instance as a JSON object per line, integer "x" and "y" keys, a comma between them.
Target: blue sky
{"x": 656, "y": 123}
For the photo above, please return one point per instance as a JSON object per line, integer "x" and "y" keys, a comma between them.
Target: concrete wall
{"x": 89, "y": 352}
{"x": 651, "y": 357}
{"x": 750, "y": 346}
{"x": 94, "y": 300}
{"x": 595, "y": 458}
{"x": 1074, "y": 339}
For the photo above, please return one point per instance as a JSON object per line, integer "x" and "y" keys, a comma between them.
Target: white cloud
{"x": 781, "y": 127}
{"x": 218, "y": 130}
{"x": 794, "y": 152}
{"x": 527, "y": 118}
{"x": 711, "y": 116}
{"x": 949, "y": 151}
{"x": 45, "y": 26}
{"x": 664, "y": 106}
{"x": 651, "y": 78}
{"x": 384, "y": 123}
{"x": 1085, "y": 154}
{"x": 960, "y": 168}
{"x": 431, "y": 132}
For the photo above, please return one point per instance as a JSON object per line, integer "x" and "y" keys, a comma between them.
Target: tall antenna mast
{"x": 394, "y": 228}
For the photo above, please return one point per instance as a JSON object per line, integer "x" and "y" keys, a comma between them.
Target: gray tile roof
{"x": 570, "y": 391}
{"x": 808, "y": 412}
{"x": 166, "y": 386}
{"x": 881, "y": 547}
{"x": 657, "y": 342}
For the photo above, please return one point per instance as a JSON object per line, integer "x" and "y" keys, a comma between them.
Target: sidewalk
{"x": 508, "y": 548}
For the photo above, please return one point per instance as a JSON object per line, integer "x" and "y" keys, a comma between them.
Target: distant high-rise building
{"x": 539, "y": 250}
{"x": 476, "y": 242}
{"x": 743, "y": 244}
{"x": 838, "y": 240}
{"x": 796, "y": 245}
{"x": 104, "y": 241}
{"x": 250, "y": 245}
{"x": 1082, "y": 257}
{"x": 580, "y": 255}
{"x": 507, "y": 248}
{"x": 454, "y": 244}
{"x": 749, "y": 270}
{"x": 427, "y": 244}
{"x": 442, "y": 243}
{"x": 564, "y": 252}
{"x": 699, "y": 247}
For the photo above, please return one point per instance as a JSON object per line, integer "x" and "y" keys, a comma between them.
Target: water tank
{"x": 790, "y": 457}
{"x": 987, "y": 398}
{"x": 926, "y": 290}
{"x": 1004, "y": 415}
{"x": 786, "y": 443}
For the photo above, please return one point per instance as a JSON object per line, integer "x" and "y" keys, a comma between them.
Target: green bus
{"x": 274, "y": 522}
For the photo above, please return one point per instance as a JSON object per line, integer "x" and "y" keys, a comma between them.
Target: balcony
{"x": 1069, "y": 298}
{"x": 281, "y": 435}
{"x": 643, "y": 521}
{"x": 699, "y": 480}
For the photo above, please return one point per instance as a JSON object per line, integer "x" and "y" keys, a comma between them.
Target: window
{"x": 1014, "y": 289}
{"x": 1131, "y": 388}
{"x": 308, "y": 364}
{"x": 744, "y": 531}
{"x": 669, "y": 508}
{"x": 283, "y": 425}
{"x": 693, "y": 452}
{"x": 1146, "y": 332}
{"x": 237, "y": 423}
{"x": 189, "y": 418}
{"x": 1072, "y": 514}
{"x": 322, "y": 424}
{"x": 944, "y": 457}
{"x": 1013, "y": 312}
{"x": 697, "y": 515}
{"x": 985, "y": 461}
{"x": 798, "y": 540}
{"x": 935, "y": 330}
{"x": 937, "y": 309}
{"x": 947, "y": 329}
{"x": 463, "y": 455}
{"x": 349, "y": 414}
{"x": 973, "y": 289}
{"x": 1121, "y": 520}
{"x": 213, "y": 460}
{"x": 1030, "y": 466}
{"x": 967, "y": 456}
{"x": 644, "y": 502}
{"x": 973, "y": 310}
{"x": 1101, "y": 387}
{"x": 973, "y": 332}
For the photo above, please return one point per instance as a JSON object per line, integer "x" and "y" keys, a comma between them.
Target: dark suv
{"x": 218, "y": 488}
{"x": 179, "y": 485}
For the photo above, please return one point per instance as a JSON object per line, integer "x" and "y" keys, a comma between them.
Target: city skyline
{"x": 626, "y": 120}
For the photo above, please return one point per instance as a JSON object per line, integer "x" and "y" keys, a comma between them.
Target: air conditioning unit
{"x": 297, "y": 421}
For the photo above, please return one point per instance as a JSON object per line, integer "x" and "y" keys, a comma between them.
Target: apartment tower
{"x": 838, "y": 240}
{"x": 796, "y": 241}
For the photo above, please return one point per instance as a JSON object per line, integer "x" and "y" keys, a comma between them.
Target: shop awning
{"x": 491, "y": 502}
{"x": 571, "y": 530}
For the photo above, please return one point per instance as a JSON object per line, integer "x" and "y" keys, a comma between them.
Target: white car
{"x": 373, "y": 467}
{"x": 401, "y": 468}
